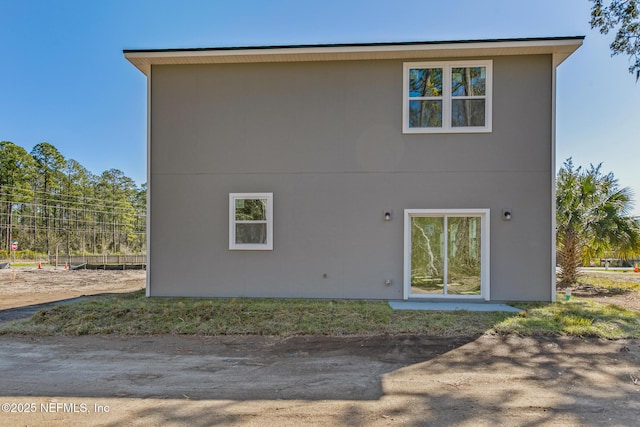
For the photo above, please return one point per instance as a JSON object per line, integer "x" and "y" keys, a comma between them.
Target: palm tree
{"x": 593, "y": 217}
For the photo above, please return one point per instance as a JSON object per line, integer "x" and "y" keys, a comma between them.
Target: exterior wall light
{"x": 387, "y": 215}
{"x": 506, "y": 214}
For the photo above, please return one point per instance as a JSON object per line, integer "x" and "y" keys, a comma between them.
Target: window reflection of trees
{"x": 425, "y": 83}
{"x": 468, "y": 82}
{"x": 251, "y": 217}
{"x": 463, "y": 258}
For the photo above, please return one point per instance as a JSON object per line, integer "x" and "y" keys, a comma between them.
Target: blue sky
{"x": 64, "y": 80}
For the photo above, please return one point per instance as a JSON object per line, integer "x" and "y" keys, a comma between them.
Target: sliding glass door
{"x": 446, "y": 253}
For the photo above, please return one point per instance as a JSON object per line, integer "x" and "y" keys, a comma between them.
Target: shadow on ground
{"x": 235, "y": 367}
{"x": 407, "y": 380}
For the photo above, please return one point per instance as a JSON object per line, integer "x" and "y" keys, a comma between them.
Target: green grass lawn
{"x": 134, "y": 314}
{"x": 24, "y": 264}
{"x": 577, "y": 317}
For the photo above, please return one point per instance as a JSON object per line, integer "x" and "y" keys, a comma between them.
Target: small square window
{"x": 251, "y": 221}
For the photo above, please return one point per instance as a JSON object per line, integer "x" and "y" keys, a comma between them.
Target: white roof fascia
{"x": 560, "y": 48}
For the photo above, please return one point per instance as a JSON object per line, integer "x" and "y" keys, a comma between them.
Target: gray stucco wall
{"x": 326, "y": 138}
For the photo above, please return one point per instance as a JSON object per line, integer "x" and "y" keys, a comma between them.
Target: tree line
{"x": 50, "y": 204}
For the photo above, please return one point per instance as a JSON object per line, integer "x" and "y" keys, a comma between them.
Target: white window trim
{"x": 446, "y": 98}
{"x": 268, "y": 246}
{"x": 484, "y": 214}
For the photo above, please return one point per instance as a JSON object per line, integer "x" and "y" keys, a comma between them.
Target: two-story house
{"x": 373, "y": 171}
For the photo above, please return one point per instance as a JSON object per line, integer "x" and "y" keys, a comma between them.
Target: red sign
{"x": 14, "y": 246}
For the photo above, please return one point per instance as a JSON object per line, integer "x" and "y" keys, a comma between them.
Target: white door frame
{"x": 484, "y": 215}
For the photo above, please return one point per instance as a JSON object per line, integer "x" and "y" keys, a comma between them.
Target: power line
{"x": 30, "y": 191}
{"x": 81, "y": 207}
{"x": 63, "y": 231}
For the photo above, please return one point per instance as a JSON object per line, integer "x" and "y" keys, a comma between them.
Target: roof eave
{"x": 560, "y": 47}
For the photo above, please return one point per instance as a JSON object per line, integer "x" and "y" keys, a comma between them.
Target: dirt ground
{"x": 629, "y": 300}
{"x": 263, "y": 381}
{"x": 319, "y": 381}
{"x": 27, "y": 286}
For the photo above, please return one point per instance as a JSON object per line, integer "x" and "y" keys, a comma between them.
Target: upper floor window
{"x": 251, "y": 221}
{"x": 447, "y": 97}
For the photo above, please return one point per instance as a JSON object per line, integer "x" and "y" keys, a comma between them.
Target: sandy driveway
{"x": 258, "y": 381}
{"x": 27, "y": 286}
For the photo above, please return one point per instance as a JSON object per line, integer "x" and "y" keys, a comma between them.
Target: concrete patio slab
{"x": 451, "y": 306}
